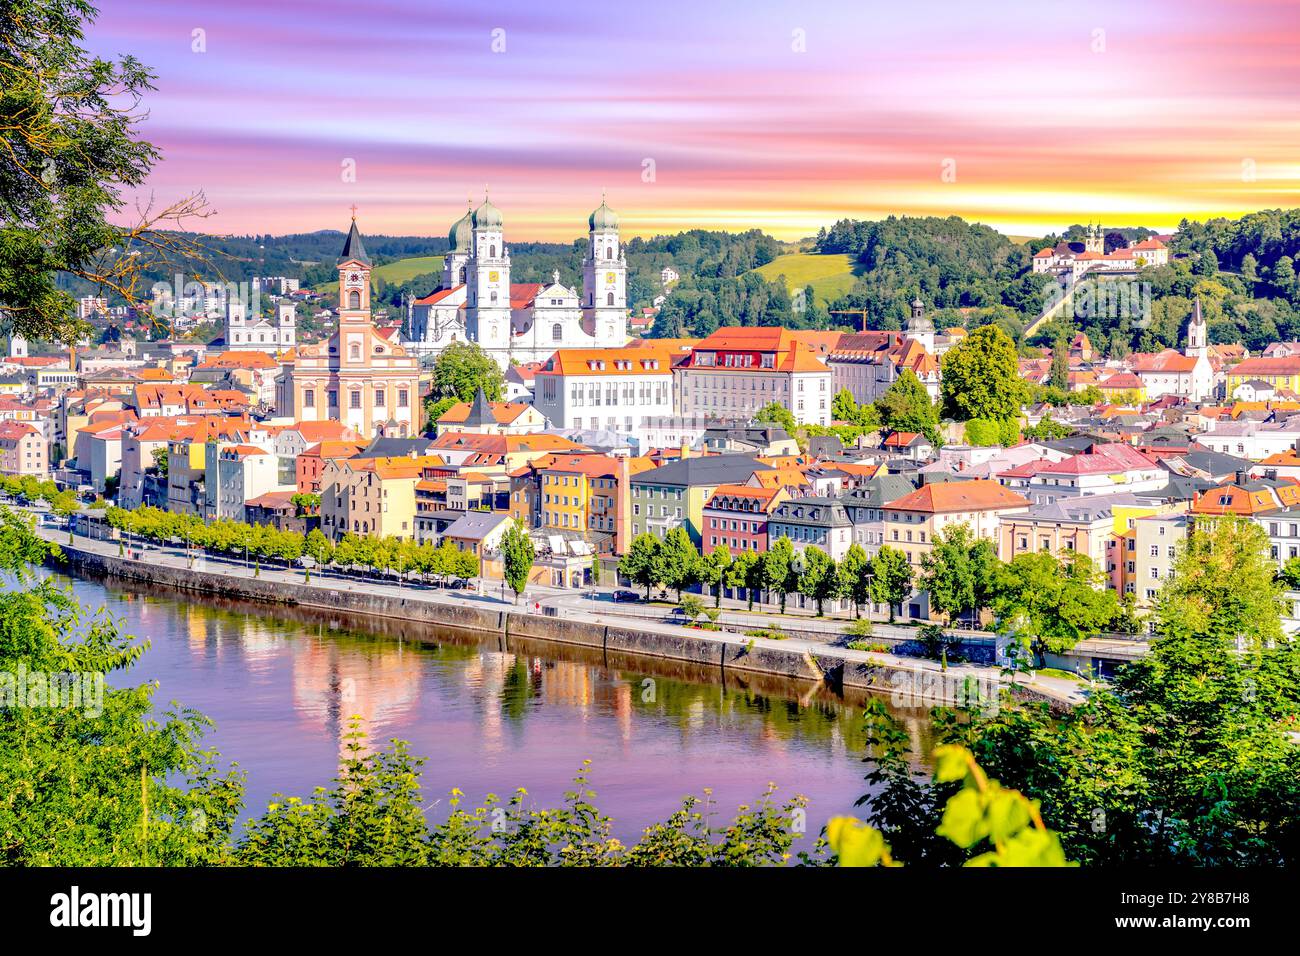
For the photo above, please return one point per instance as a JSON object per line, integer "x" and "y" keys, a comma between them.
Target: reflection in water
{"x": 283, "y": 685}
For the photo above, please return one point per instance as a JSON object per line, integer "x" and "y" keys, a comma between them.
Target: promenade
{"x": 564, "y": 617}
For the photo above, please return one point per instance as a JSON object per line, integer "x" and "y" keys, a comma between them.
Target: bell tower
{"x": 354, "y": 279}
{"x": 604, "y": 280}
{"x": 488, "y": 275}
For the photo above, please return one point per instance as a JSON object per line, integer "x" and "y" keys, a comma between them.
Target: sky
{"x": 782, "y": 116}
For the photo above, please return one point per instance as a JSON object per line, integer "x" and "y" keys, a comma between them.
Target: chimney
{"x": 685, "y": 450}
{"x": 1242, "y": 477}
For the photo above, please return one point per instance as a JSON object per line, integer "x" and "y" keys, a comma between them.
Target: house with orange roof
{"x": 497, "y": 454}
{"x": 372, "y": 496}
{"x": 736, "y": 371}
{"x": 913, "y": 521}
{"x": 482, "y": 417}
{"x": 736, "y": 516}
{"x": 582, "y": 495}
{"x": 309, "y": 464}
{"x": 23, "y": 450}
{"x": 615, "y": 389}
{"x": 867, "y": 363}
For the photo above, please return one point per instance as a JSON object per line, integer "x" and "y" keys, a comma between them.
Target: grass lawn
{"x": 1058, "y": 673}
{"x": 404, "y": 269}
{"x": 830, "y": 276}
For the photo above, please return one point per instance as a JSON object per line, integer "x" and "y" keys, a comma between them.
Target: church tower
{"x": 920, "y": 328}
{"x": 286, "y": 325}
{"x": 1198, "y": 342}
{"x": 488, "y": 274}
{"x": 17, "y": 346}
{"x": 455, "y": 265}
{"x": 604, "y": 280}
{"x": 1094, "y": 240}
{"x": 354, "y": 280}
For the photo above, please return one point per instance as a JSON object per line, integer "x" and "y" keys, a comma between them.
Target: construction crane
{"x": 862, "y": 323}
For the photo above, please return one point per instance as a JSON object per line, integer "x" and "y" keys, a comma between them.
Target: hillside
{"x": 830, "y": 276}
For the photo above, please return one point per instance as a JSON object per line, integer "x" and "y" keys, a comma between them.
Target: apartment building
{"x": 736, "y": 371}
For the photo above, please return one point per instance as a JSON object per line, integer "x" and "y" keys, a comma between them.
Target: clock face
{"x": 609, "y": 278}
{"x": 354, "y": 278}
{"x": 494, "y": 277}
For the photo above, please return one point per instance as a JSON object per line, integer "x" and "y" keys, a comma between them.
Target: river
{"x": 281, "y": 684}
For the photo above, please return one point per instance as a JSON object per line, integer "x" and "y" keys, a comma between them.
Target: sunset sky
{"x": 1045, "y": 118}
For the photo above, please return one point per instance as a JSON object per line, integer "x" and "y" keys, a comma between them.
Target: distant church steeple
{"x": 1198, "y": 342}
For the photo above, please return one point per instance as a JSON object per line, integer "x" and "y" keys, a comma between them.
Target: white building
{"x": 243, "y": 334}
{"x": 1187, "y": 374}
{"x": 622, "y": 390}
{"x": 522, "y": 322}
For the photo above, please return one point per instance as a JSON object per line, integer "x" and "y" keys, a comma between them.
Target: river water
{"x": 281, "y": 685}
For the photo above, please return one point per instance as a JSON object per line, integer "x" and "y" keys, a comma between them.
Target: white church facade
{"x": 521, "y": 322}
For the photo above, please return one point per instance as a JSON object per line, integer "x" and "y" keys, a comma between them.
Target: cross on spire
{"x": 354, "y": 212}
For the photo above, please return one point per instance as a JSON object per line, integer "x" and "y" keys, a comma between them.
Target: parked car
{"x": 462, "y": 584}
{"x": 625, "y": 597}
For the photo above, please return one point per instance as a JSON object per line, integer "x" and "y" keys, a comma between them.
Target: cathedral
{"x": 521, "y": 322}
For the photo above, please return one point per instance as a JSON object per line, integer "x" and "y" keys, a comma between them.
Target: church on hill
{"x": 521, "y": 322}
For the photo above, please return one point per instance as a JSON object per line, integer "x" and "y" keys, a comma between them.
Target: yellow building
{"x": 1281, "y": 371}
{"x": 371, "y": 496}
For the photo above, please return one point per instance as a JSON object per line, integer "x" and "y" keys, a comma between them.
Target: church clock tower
{"x": 604, "y": 280}
{"x": 488, "y": 274}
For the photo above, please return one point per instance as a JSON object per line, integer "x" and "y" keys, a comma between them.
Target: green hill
{"x": 398, "y": 271}
{"x": 830, "y": 276}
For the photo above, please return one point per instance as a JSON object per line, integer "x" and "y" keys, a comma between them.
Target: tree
{"x": 745, "y": 572}
{"x": 981, "y": 377}
{"x": 1060, "y": 373}
{"x": 70, "y": 154}
{"x": 435, "y": 409}
{"x": 712, "y": 571}
{"x": 777, "y": 414}
{"x": 817, "y": 580}
{"x": 906, "y": 407}
{"x": 844, "y": 407}
{"x": 318, "y": 548}
{"x": 1047, "y": 429}
{"x": 680, "y": 560}
{"x": 517, "y": 556}
{"x": 159, "y": 456}
{"x": 642, "y": 564}
{"x": 778, "y": 569}
{"x": 891, "y": 578}
{"x": 1186, "y": 758}
{"x": 855, "y": 577}
{"x": 462, "y": 368}
{"x": 988, "y": 431}
{"x": 956, "y": 571}
{"x": 1050, "y": 605}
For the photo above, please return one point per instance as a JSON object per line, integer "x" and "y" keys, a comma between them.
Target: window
{"x": 557, "y": 332}
{"x": 354, "y": 352}
{"x": 333, "y": 399}
{"x": 354, "y": 299}
{"x": 309, "y": 398}
{"x": 403, "y": 398}
{"x": 609, "y": 299}
{"x": 354, "y": 398}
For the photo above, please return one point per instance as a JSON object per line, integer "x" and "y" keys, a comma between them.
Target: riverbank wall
{"x": 914, "y": 683}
